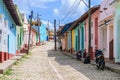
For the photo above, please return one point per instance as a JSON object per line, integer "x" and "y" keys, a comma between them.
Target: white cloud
{"x": 26, "y": 5}
{"x": 51, "y": 27}
{"x": 78, "y": 9}
{"x": 56, "y": 11}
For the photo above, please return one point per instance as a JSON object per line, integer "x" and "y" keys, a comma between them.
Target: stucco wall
{"x": 105, "y": 13}
{"x": 93, "y": 31}
{"x": 73, "y": 38}
{"x": 43, "y": 33}
{"x": 11, "y": 32}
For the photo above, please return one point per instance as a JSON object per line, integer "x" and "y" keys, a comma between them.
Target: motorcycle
{"x": 100, "y": 62}
{"x": 79, "y": 55}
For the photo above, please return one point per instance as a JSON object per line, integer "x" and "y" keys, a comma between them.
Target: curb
{"x": 113, "y": 69}
{"x": 72, "y": 56}
{"x": 9, "y": 63}
{"x": 107, "y": 67}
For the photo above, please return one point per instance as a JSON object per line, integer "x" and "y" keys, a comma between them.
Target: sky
{"x": 64, "y": 11}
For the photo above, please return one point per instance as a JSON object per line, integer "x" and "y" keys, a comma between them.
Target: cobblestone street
{"x": 47, "y": 64}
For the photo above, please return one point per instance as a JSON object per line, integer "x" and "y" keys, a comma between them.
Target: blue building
{"x": 8, "y": 21}
{"x": 42, "y": 31}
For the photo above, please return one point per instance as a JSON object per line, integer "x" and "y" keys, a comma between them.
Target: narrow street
{"x": 47, "y": 64}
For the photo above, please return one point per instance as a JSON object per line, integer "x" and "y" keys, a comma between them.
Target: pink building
{"x": 106, "y": 29}
{"x": 94, "y": 31}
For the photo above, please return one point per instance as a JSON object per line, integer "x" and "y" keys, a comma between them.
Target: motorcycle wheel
{"x": 102, "y": 65}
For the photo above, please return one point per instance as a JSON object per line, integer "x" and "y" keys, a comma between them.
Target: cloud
{"x": 45, "y": 22}
{"x": 56, "y": 11}
{"x": 26, "y": 5}
{"x": 41, "y": 3}
{"x": 67, "y": 6}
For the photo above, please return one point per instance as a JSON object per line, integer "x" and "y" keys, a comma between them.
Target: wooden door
{"x": 111, "y": 49}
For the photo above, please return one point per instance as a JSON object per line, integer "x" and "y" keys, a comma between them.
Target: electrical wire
{"x": 73, "y": 6}
{"x": 77, "y": 6}
{"x": 74, "y": 10}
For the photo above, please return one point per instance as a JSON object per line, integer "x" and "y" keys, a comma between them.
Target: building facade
{"x": 8, "y": 21}
{"x": 116, "y": 5}
{"x": 94, "y": 32}
{"x": 106, "y": 30}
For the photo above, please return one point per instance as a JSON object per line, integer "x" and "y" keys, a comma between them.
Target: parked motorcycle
{"x": 79, "y": 55}
{"x": 100, "y": 62}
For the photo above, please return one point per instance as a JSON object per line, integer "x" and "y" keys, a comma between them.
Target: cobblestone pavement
{"x": 47, "y": 64}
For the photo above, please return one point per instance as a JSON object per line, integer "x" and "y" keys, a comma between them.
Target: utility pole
{"x": 38, "y": 24}
{"x": 48, "y": 31}
{"x": 55, "y": 34}
{"x": 89, "y": 18}
{"x": 31, "y": 16}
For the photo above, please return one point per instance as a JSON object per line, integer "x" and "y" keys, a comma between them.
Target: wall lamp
{"x": 12, "y": 26}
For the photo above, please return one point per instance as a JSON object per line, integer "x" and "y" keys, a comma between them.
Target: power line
{"x": 73, "y": 6}
{"x": 85, "y": 2}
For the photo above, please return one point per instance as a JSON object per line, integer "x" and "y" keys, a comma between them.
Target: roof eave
{"x": 12, "y": 10}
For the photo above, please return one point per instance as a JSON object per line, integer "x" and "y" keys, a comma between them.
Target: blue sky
{"x": 54, "y": 9}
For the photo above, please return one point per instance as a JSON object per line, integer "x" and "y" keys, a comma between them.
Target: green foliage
{"x": 16, "y": 63}
{"x": 9, "y": 72}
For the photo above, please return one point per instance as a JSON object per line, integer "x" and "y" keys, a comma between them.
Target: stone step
{"x": 6, "y": 65}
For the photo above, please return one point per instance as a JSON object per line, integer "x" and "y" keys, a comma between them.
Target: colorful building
{"x": 116, "y": 5}
{"x": 8, "y": 21}
{"x": 24, "y": 45}
{"x": 19, "y": 32}
{"x": 73, "y": 40}
{"x": 51, "y": 35}
{"x": 94, "y": 31}
{"x": 79, "y": 37}
{"x": 106, "y": 30}
{"x": 66, "y": 38}
{"x": 34, "y": 37}
{"x": 43, "y": 33}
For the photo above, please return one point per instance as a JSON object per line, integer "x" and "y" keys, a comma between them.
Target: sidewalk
{"x": 110, "y": 66}
{"x": 6, "y": 65}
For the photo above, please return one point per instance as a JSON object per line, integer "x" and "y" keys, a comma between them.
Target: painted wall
{"x": 76, "y": 39}
{"x": 106, "y": 39}
{"x": 33, "y": 37}
{"x": 26, "y": 29}
{"x": 19, "y": 31}
{"x": 69, "y": 40}
{"x": 73, "y": 39}
{"x": 117, "y": 32}
{"x": 79, "y": 37}
{"x": 43, "y": 33}
{"x": 11, "y": 32}
{"x": 94, "y": 31}
{"x": 105, "y": 13}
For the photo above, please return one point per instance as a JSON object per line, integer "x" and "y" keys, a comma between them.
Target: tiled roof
{"x": 83, "y": 17}
{"x": 12, "y": 10}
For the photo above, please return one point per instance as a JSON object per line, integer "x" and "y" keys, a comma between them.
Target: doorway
{"x": 111, "y": 44}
